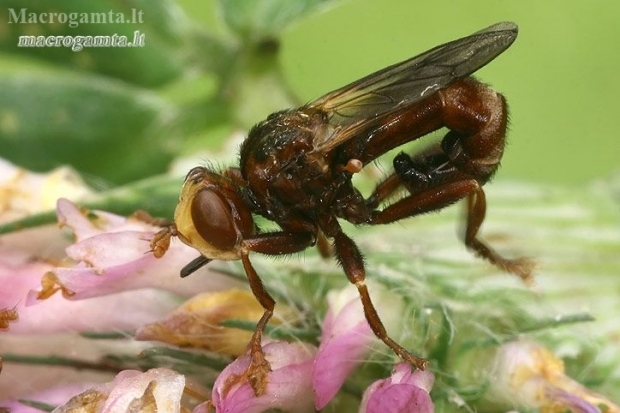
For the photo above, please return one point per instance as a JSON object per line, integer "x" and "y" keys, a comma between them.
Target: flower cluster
{"x": 110, "y": 281}
{"x": 97, "y": 275}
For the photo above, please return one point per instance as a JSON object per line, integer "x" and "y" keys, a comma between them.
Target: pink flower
{"x": 289, "y": 386}
{"x": 112, "y": 254}
{"x": 403, "y": 392}
{"x": 101, "y": 297}
{"x": 528, "y": 375}
{"x": 345, "y": 343}
{"x": 347, "y": 339}
{"x": 26, "y": 255}
{"x": 110, "y": 264}
{"x": 155, "y": 390}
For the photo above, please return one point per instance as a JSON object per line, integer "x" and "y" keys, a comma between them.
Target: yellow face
{"x": 211, "y": 216}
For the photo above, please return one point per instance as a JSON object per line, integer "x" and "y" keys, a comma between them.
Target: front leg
{"x": 259, "y": 367}
{"x": 161, "y": 240}
{"x": 276, "y": 243}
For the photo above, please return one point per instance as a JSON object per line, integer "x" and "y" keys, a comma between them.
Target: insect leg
{"x": 384, "y": 190}
{"x": 275, "y": 243}
{"x": 352, "y": 262}
{"x": 455, "y": 168}
{"x": 476, "y": 210}
{"x": 256, "y": 372}
{"x": 438, "y": 197}
{"x": 279, "y": 243}
{"x": 161, "y": 241}
{"x": 323, "y": 245}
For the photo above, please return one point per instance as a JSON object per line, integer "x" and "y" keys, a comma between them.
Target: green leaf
{"x": 102, "y": 128}
{"x": 265, "y": 19}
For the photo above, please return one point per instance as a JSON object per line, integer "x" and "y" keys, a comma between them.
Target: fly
{"x": 296, "y": 166}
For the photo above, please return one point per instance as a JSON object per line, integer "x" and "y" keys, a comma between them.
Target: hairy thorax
{"x": 286, "y": 176}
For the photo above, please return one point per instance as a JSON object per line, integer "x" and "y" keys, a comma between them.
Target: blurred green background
{"x": 560, "y": 77}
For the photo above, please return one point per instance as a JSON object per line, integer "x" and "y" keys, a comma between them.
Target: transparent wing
{"x": 406, "y": 83}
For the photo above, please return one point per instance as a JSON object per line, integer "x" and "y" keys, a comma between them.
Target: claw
{"x": 521, "y": 267}
{"x": 255, "y": 374}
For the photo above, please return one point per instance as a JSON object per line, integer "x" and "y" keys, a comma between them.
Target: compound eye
{"x": 213, "y": 220}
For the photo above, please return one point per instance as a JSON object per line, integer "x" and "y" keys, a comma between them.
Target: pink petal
{"x": 145, "y": 271}
{"x": 403, "y": 392}
{"x": 110, "y": 249}
{"x": 205, "y": 407}
{"x": 345, "y": 343}
{"x": 86, "y": 282}
{"x": 165, "y": 386}
{"x": 123, "y": 311}
{"x": 155, "y": 390}
{"x": 27, "y": 255}
{"x": 574, "y": 403}
{"x": 289, "y": 383}
{"x": 113, "y": 255}
{"x": 83, "y": 225}
{"x": 528, "y": 374}
{"x": 119, "y": 312}
{"x": 21, "y": 278}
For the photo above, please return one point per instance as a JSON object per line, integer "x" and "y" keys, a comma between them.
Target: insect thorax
{"x": 282, "y": 169}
